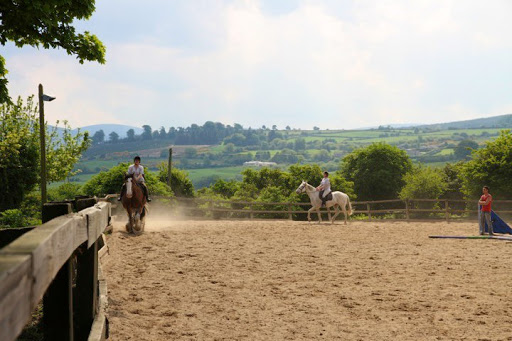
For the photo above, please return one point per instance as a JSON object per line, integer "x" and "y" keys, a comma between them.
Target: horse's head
{"x": 129, "y": 186}
{"x": 301, "y": 188}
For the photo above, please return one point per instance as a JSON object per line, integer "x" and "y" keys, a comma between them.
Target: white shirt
{"x": 136, "y": 171}
{"x": 326, "y": 185}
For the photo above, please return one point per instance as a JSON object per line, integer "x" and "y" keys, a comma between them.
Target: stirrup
{"x": 148, "y": 199}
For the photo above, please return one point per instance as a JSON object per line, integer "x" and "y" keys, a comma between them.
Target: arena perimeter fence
{"x": 56, "y": 263}
{"x": 412, "y": 209}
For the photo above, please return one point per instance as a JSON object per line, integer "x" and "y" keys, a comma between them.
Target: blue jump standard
{"x": 498, "y": 225}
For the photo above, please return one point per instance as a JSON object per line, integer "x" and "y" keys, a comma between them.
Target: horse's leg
{"x": 129, "y": 223}
{"x": 345, "y": 213}
{"x": 319, "y": 214}
{"x": 328, "y": 212}
{"x": 309, "y": 213}
{"x": 336, "y": 212}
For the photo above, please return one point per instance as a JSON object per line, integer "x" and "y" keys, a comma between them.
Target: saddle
{"x": 327, "y": 197}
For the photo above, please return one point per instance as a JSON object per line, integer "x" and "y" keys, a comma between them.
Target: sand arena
{"x": 284, "y": 280}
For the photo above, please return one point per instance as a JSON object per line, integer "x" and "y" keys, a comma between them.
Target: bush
{"x": 377, "y": 171}
{"x": 110, "y": 182}
{"x": 490, "y": 166}
{"x": 15, "y": 218}
{"x": 180, "y": 183}
{"x": 63, "y": 192}
{"x": 423, "y": 183}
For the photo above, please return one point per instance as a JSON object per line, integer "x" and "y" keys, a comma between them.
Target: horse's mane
{"x": 127, "y": 176}
{"x": 309, "y": 186}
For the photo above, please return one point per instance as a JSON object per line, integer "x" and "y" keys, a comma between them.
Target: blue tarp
{"x": 498, "y": 225}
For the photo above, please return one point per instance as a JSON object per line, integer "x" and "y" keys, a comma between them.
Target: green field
{"x": 430, "y": 147}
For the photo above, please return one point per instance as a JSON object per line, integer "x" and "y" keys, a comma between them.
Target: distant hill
{"x": 108, "y": 128}
{"x": 501, "y": 121}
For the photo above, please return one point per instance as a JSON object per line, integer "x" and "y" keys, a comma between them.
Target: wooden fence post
{"x": 86, "y": 290}
{"x": 58, "y": 305}
{"x": 210, "y": 206}
{"x": 407, "y": 217}
{"x": 290, "y": 211}
{"x": 368, "y": 211}
{"x": 58, "y": 299}
{"x": 251, "y": 215}
{"x": 447, "y": 212}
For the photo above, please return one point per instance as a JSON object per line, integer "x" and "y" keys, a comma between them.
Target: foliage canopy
{"x": 47, "y": 24}
{"x": 490, "y": 166}
{"x": 377, "y": 171}
{"x": 20, "y": 154}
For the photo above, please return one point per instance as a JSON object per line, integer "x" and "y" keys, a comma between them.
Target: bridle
{"x": 302, "y": 188}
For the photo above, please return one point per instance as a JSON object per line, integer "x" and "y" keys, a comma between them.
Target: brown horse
{"x": 134, "y": 202}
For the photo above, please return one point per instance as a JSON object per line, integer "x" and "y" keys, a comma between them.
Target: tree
{"x": 47, "y": 24}
{"x": 147, "y": 133}
{"x": 20, "y": 154}
{"x": 423, "y": 183}
{"x": 98, "y": 137}
{"x": 130, "y": 135}
{"x": 114, "y": 137}
{"x": 490, "y": 166}
{"x": 453, "y": 180}
{"x": 300, "y": 144}
{"x": 377, "y": 171}
{"x": 180, "y": 182}
{"x": 163, "y": 134}
{"x": 464, "y": 149}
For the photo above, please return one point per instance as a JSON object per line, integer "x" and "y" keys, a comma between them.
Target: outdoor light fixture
{"x": 48, "y": 98}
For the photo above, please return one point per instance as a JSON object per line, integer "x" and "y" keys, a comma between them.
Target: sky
{"x": 334, "y": 64}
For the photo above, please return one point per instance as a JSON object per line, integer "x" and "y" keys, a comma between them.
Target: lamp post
{"x": 42, "y": 135}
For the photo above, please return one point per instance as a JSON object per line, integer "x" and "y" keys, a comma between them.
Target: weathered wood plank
{"x": 87, "y": 290}
{"x": 58, "y": 305}
{"x": 50, "y": 245}
{"x": 15, "y": 287}
{"x": 97, "y": 220}
{"x": 99, "y": 328}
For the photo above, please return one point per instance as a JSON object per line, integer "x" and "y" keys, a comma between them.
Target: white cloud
{"x": 315, "y": 63}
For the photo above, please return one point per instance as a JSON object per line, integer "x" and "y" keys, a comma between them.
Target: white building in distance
{"x": 260, "y": 163}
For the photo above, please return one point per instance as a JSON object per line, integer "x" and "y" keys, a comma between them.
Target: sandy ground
{"x": 283, "y": 280}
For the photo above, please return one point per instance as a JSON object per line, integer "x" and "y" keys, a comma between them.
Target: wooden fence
{"x": 413, "y": 209}
{"x": 57, "y": 260}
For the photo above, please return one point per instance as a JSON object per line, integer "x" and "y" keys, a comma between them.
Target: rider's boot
{"x": 146, "y": 193}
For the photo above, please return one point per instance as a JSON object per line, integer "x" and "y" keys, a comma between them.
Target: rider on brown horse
{"x": 138, "y": 175}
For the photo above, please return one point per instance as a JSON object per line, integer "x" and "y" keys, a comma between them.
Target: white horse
{"x": 339, "y": 199}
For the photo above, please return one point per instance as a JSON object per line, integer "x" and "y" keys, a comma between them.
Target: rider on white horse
{"x": 324, "y": 188}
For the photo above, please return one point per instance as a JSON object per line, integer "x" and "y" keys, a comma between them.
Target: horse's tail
{"x": 350, "y": 211}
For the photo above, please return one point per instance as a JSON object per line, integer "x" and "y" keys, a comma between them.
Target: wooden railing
{"x": 51, "y": 261}
{"x": 412, "y": 209}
